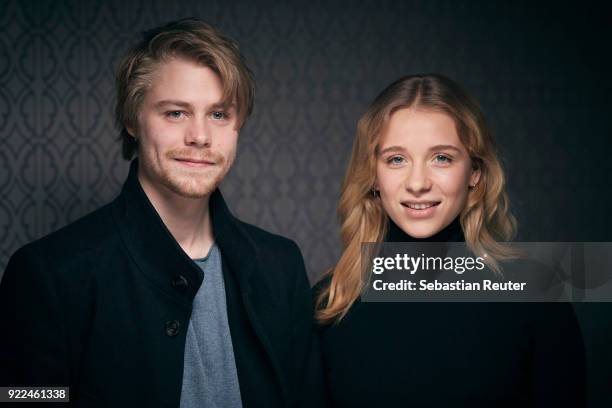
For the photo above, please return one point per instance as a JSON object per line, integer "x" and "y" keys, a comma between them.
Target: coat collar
{"x": 159, "y": 256}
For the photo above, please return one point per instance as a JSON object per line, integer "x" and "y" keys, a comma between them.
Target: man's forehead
{"x": 184, "y": 82}
{"x": 180, "y": 72}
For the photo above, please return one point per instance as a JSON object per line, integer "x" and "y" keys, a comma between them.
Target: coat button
{"x": 172, "y": 328}
{"x": 180, "y": 283}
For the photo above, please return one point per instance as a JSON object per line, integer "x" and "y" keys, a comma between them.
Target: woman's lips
{"x": 419, "y": 211}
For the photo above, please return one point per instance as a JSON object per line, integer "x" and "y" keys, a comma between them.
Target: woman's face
{"x": 423, "y": 171}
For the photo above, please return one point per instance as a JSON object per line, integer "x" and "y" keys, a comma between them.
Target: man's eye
{"x": 175, "y": 114}
{"x": 219, "y": 115}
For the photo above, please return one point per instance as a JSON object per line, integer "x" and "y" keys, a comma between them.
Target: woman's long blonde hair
{"x": 485, "y": 220}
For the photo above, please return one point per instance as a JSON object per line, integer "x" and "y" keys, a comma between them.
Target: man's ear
{"x": 131, "y": 131}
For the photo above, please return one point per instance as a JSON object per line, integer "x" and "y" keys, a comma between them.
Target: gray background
{"x": 540, "y": 71}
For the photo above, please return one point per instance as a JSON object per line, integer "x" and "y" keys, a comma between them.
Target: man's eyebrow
{"x": 187, "y": 105}
{"x": 165, "y": 102}
{"x": 221, "y": 105}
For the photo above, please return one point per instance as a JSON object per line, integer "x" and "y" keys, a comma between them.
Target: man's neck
{"x": 187, "y": 219}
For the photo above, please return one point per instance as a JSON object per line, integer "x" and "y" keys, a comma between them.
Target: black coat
{"x": 103, "y": 306}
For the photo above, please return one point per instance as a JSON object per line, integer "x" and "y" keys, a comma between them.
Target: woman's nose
{"x": 417, "y": 180}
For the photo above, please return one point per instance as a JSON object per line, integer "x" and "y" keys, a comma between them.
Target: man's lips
{"x": 195, "y": 162}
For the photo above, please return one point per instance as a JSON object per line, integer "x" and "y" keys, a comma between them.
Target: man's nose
{"x": 198, "y": 134}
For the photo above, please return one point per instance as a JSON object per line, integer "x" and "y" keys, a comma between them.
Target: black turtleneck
{"x": 454, "y": 354}
{"x": 451, "y": 233}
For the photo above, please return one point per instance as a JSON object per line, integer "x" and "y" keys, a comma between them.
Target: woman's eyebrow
{"x": 445, "y": 147}
{"x": 392, "y": 149}
{"x": 432, "y": 148}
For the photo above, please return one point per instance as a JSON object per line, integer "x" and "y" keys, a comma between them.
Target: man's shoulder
{"x": 82, "y": 235}
{"x": 268, "y": 241}
{"x": 281, "y": 265}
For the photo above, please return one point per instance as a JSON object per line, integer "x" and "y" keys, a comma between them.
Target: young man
{"x": 162, "y": 297}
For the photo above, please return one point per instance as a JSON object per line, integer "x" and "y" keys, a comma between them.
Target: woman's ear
{"x": 475, "y": 177}
{"x": 374, "y": 190}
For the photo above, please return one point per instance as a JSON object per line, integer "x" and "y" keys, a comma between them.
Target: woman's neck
{"x": 451, "y": 233}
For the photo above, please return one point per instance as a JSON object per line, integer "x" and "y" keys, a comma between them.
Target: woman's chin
{"x": 426, "y": 230}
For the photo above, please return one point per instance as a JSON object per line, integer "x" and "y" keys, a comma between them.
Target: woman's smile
{"x": 422, "y": 209}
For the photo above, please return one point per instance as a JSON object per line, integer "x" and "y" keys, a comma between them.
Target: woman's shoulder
{"x": 543, "y": 282}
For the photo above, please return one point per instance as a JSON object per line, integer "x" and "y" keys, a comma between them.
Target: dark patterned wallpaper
{"x": 540, "y": 74}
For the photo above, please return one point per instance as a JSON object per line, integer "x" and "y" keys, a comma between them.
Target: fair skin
{"x": 423, "y": 171}
{"x": 186, "y": 145}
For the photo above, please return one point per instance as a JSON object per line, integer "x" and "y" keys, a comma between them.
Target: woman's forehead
{"x": 419, "y": 130}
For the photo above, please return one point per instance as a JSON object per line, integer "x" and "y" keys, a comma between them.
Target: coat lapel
{"x": 242, "y": 256}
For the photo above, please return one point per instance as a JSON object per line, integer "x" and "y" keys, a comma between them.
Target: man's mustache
{"x": 196, "y": 155}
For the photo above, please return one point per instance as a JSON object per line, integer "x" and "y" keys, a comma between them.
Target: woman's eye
{"x": 440, "y": 158}
{"x": 175, "y": 114}
{"x": 219, "y": 115}
{"x": 395, "y": 160}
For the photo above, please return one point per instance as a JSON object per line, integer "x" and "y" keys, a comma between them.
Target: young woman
{"x": 424, "y": 168}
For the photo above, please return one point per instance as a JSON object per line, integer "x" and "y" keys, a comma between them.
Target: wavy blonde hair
{"x": 485, "y": 220}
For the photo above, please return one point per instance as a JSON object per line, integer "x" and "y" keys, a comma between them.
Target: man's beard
{"x": 186, "y": 182}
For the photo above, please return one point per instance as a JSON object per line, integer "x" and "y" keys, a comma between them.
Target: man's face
{"x": 186, "y": 138}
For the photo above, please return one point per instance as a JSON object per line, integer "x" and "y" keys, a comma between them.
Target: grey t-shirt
{"x": 210, "y": 378}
